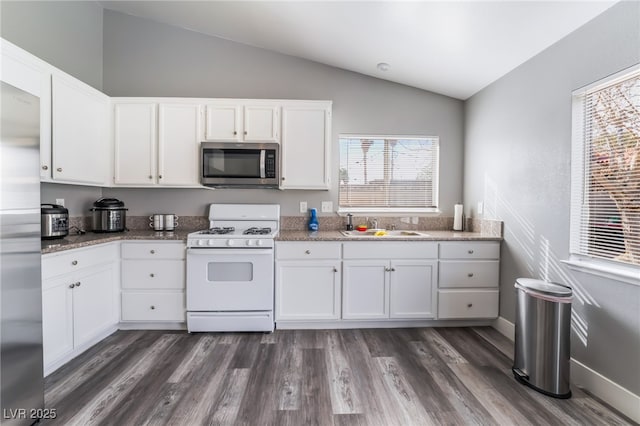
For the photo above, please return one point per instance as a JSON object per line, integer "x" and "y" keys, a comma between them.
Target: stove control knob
{"x": 249, "y": 242}
{"x": 229, "y": 242}
{"x": 210, "y": 242}
{"x": 200, "y": 242}
{"x": 259, "y": 242}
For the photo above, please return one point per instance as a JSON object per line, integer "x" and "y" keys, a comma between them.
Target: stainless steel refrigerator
{"x": 21, "y": 371}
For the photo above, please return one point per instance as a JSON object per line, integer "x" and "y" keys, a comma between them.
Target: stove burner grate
{"x": 219, "y": 231}
{"x": 257, "y": 231}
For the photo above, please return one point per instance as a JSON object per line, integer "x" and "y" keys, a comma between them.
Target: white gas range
{"x": 230, "y": 276}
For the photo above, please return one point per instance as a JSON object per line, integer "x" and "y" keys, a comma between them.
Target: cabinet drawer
{"x": 470, "y": 250}
{"x": 70, "y": 261}
{"x": 307, "y": 250}
{"x": 474, "y": 273}
{"x": 390, "y": 250}
{"x": 153, "y": 250}
{"x": 455, "y": 304}
{"x": 156, "y": 306}
{"x": 153, "y": 274}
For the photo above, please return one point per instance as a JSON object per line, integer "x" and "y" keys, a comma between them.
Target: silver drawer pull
{"x": 469, "y": 305}
{"x": 470, "y": 252}
{"x": 153, "y": 252}
{"x": 78, "y": 284}
{"x": 45, "y": 167}
{"x": 307, "y": 251}
{"x": 470, "y": 274}
{"x": 72, "y": 285}
{"x": 59, "y": 169}
{"x": 74, "y": 263}
{"x": 335, "y": 270}
{"x": 152, "y": 307}
{"x": 152, "y": 275}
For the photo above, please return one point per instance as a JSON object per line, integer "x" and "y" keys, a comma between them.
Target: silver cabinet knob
{"x": 152, "y": 275}
{"x": 159, "y": 176}
{"x": 152, "y": 252}
{"x": 59, "y": 169}
{"x": 335, "y": 269}
{"x": 245, "y": 132}
{"x": 45, "y": 167}
{"x": 470, "y": 274}
{"x": 74, "y": 263}
{"x": 469, "y": 305}
{"x": 235, "y": 133}
{"x": 78, "y": 284}
{"x": 470, "y": 252}
{"x": 282, "y": 178}
{"x": 393, "y": 269}
{"x": 307, "y": 252}
{"x": 387, "y": 269}
{"x": 152, "y": 307}
{"x": 72, "y": 285}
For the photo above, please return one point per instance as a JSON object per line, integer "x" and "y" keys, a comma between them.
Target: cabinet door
{"x": 25, "y": 71}
{"x": 57, "y": 319}
{"x": 365, "y": 289}
{"x": 413, "y": 289}
{"x": 306, "y": 141}
{"x": 307, "y": 290}
{"x": 261, "y": 123}
{"x": 94, "y": 307}
{"x": 178, "y": 144}
{"x": 135, "y": 144}
{"x": 223, "y": 122}
{"x": 80, "y": 132}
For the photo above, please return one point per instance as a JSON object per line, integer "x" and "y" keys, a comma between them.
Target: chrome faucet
{"x": 373, "y": 223}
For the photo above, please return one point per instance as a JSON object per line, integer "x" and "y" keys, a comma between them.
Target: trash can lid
{"x": 544, "y": 287}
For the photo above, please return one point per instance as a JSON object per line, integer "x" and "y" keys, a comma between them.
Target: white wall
{"x": 517, "y": 160}
{"x": 145, "y": 58}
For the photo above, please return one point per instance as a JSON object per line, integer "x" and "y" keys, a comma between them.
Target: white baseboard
{"x": 141, "y": 325}
{"x": 352, "y": 324}
{"x": 610, "y": 392}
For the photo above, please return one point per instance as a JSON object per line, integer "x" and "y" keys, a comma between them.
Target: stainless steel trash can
{"x": 542, "y": 340}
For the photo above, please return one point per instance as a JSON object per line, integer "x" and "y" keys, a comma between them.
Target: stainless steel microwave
{"x": 241, "y": 165}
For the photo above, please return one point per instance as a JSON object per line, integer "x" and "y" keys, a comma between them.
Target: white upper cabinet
{"x": 156, "y": 143}
{"x": 26, "y": 72}
{"x": 179, "y": 131}
{"x": 227, "y": 121}
{"x": 80, "y": 141}
{"x": 305, "y": 147}
{"x": 134, "y": 136}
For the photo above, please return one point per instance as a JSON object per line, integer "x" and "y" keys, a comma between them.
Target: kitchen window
{"x": 388, "y": 174}
{"x": 605, "y": 203}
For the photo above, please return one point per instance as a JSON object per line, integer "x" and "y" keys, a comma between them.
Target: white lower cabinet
{"x": 469, "y": 279}
{"x": 378, "y": 289}
{"x": 79, "y": 301}
{"x": 308, "y": 281}
{"x": 153, "y": 281}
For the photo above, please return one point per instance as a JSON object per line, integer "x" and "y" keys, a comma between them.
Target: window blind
{"x": 606, "y": 169}
{"x": 388, "y": 173}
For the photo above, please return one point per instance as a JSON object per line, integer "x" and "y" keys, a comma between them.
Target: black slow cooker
{"x": 109, "y": 215}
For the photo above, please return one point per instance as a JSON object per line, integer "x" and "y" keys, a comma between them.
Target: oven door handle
{"x": 213, "y": 251}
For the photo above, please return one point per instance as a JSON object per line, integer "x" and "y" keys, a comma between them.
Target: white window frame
{"x": 392, "y": 211}
{"x": 610, "y": 269}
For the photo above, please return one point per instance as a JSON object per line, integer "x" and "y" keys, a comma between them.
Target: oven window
{"x": 230, "y": 271}
{"x": 241, "y": 163}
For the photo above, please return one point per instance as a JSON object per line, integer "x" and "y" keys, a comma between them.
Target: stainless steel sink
{"x": 396, "y": 233}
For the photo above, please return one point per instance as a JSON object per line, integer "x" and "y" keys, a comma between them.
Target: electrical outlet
{"x": 327, "y": 206}
{"x": 480, "y": 207}
{"x": 60, "y": 201}
{"x": 406, "y": 220}
{"x": 414, "y": 220}
{"x": 303, "y": 206}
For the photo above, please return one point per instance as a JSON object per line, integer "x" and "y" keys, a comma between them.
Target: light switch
{"x": 480, "y": 207}
{"x": 327, "y": 206}
{"x": 303, "y": 206}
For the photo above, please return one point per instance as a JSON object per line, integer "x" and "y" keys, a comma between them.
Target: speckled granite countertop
{"x": 430, "y": 236}
{"x": 90, "y": 239}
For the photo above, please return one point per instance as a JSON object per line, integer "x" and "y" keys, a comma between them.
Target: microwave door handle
{"x": 263, "y": 153}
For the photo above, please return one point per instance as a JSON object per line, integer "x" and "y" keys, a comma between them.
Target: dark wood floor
{"x": 452, "y": 376}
